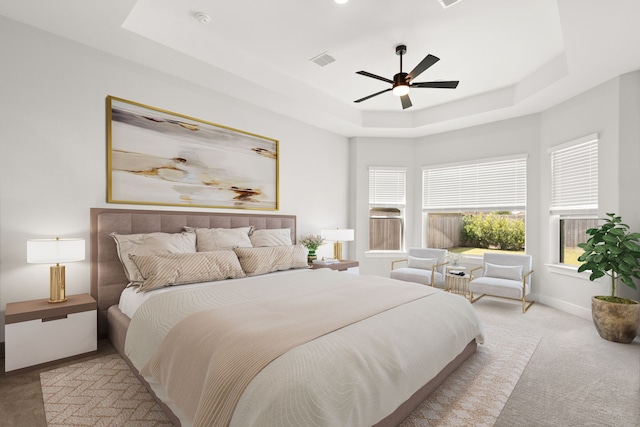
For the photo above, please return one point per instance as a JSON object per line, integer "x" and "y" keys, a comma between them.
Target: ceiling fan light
{"x": 401, "y": 90}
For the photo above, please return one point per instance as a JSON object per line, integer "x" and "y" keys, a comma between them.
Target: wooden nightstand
{"x": 343, "y": 265}
{"x": 37, "y": 332}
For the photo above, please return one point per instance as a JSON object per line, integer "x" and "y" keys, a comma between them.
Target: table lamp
{"x": 338, "y": 236}
{"x": 55, "y": 251}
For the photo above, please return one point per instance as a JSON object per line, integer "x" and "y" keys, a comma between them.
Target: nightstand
{"x": 344, "y": 265}
{"x": 38, "y": 332}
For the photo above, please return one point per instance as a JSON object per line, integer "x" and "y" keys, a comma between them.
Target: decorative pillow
{"x": 215, "y": 239}
{"x": 271, "y": 237}
{"x": 256, "y": 261}
{"x": 423, "y": 263}
{"x": 150, "y": 244}
{"x": 510, "y": 272}
{"x": 159, "y": 271}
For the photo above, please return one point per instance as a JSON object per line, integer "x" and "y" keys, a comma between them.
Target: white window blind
{"x": 574, "y": 177}
{"x": 387, "y": 186}
{"x": 499, "y": 184}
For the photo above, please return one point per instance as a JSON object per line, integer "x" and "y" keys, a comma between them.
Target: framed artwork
{"x": 156, "y": 157}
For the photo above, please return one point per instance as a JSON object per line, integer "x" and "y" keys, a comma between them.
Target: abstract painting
{"x": 157, "y": 157}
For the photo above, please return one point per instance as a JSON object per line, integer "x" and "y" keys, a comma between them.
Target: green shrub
{"x": 493, "y": 230}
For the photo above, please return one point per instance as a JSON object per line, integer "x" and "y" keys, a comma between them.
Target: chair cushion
{"x": 498, "y": 287}
{"x": 510, "y": 272}
{"x": 417, "y": 275}
{"x": 423, "y": 263}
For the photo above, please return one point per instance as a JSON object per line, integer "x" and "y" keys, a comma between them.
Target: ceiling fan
{"x": 402, "y": 81}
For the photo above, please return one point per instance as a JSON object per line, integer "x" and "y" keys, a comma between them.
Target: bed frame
{"x": 108, "y": 279}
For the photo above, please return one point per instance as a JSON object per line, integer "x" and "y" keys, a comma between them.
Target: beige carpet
{"x": 103, "y": 392}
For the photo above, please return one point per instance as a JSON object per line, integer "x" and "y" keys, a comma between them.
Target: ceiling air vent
{"x": 323, "y": 59}
{"x": 447, "y": 3}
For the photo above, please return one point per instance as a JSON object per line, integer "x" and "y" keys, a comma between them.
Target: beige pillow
{"x": 159, "y": 271}
{"x": 215, "y": 239}
{"x": 271, "y": 237}
{"x": 150, "y": 244}
{"x": 256, "y": 261}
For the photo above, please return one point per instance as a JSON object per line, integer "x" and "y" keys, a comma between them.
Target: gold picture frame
{"x": 157, "y": 157}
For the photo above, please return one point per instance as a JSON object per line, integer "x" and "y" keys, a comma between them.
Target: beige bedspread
{"x": 354, "y": 376}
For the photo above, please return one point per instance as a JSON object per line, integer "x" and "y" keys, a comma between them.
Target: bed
{"x": 346, "y": 359}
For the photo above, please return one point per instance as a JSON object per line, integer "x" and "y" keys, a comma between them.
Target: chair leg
{"x": 472, "y": 300}
{"x": 526, "y": 304}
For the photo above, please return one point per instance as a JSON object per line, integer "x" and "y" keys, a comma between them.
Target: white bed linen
{"x": 131, "y": 299}
{"x": 354, "y": 376}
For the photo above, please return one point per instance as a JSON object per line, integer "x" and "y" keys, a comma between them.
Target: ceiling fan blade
{"x": 406, "y": 102}
{"x": 427, "y": 62}
{"x": 373, "y": 76}
{"x": 371, "y": 96}
{"x": 442, "y": 85}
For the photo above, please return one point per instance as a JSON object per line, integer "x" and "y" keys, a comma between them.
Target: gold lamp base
{"x": 337, "y": 251}
{"x": 56, "y": 284}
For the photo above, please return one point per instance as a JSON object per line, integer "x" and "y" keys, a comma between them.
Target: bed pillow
{"x": 215, "y": 239}
{"x": 423, "y": 263}
{"x": 256, "y": 261}
{"x": 159, "y": 271}
{"x": 510, "y": 272}
{"x": 150, "y": 244}
{"x": 271, "y": 237}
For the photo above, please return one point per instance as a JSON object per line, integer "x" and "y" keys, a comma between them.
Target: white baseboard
{"x": 576, "y": 310}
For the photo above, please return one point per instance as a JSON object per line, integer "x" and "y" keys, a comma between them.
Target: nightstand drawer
{"x": 38, "y": 341}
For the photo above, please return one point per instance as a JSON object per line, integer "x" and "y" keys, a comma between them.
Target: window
{"x": 387, "y": 200}
{"x": 493, "y": 191}
{"x": 574, "y": 194}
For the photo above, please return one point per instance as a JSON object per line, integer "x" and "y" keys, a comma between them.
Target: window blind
{"x": 387, "y": 186}
{"x": 574, "y": 177}
{"x": 491, "y": 185}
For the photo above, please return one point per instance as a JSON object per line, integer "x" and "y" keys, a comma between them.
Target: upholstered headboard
{"x": 107, "y": 275}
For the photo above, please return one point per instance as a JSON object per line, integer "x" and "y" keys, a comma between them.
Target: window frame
{"x": 517, "y": 162}
{"x": 578, "y": 206}
{"x": 388, "y": 200}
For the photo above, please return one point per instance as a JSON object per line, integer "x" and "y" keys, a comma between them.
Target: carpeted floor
{"x": 104, "y": 392}
{"x": 98, "y": 392}
{"x": 574, "y": 378}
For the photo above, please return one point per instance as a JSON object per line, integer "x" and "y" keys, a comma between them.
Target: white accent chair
{"x": 423, "y": 265}
{"x": 504, "y": 276}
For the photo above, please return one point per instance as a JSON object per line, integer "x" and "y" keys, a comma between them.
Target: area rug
{"x": 104, "y": 392}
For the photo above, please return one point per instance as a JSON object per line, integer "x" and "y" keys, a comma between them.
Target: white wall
{"x": 53, "y": 149}
{"x": 611, "y": 110}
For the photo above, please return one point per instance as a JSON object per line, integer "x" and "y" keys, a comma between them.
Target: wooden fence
{"x": 575, "y": 231}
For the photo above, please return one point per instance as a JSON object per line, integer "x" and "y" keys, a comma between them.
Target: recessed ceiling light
{"x": 341, "y": 1}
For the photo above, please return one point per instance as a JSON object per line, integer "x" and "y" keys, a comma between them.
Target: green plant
{"x": 493, "y": 230}
{"x": 311, "y": 242}
{"x": 612, "y": 250}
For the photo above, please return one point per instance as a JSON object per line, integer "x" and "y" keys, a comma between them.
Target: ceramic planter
{"x": 615, "y": 322}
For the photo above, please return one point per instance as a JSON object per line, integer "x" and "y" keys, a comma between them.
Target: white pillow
{"x": 217, "y": 239}
{"x": 423, "y": 263}
{"x": 150, "y": 244}
{"x": 271, "y": 237}
{"x": 509, "y": 272}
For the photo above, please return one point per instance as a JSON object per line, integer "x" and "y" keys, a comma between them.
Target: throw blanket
{"x": 207, "y": 360}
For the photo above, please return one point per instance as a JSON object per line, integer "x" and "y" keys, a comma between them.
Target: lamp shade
{"x": 338, "y": 235}
{"x": 54, "y": 251}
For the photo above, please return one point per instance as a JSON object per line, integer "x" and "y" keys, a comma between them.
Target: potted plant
{"x": 312, "y": 243}
{"x": 613, "y": 251}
